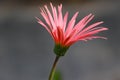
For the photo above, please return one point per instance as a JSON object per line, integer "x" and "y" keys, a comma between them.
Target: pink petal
{"x": 92, "y": 37}
{"x": 55, "y": 36}
{"x": 81, "y": 24}
{"x": 90, "y": 33}
{"x": 65, "y": 21}
{"x": 54, "y": 11}
{"x": 60, "y": 35}
{"x": 50, "y": 17}
{"x": 71, "y": 24}
{"x": 44, "y": 15}
{"x": 69, "y": 38}
{"x": 49, "y": 30}
{"x": 91, "y": 26}
{"x": 90, "y": 30}
{"x": 60, "y": 17}
{"x": 40, "y": 22}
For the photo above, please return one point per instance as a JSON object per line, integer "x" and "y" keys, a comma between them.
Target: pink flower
{"x": 65, "y": 32}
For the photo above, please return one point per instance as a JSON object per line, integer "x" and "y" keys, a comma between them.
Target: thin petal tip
{"x": 37, "y": 18}
{"x": 106, "y": 29}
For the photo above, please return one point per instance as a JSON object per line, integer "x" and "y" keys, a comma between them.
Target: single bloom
{"x": 64, "y": 32}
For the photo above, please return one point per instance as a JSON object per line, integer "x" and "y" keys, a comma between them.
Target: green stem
{"x": 53, "y": 68}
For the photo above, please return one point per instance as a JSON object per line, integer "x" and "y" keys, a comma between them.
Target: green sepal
{"x": 60, "y": 50}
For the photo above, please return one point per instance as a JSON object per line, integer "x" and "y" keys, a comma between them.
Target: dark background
{"x": 26, "y": 48}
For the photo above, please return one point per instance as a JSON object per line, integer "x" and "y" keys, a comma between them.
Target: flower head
{"x": 65, "y": 32}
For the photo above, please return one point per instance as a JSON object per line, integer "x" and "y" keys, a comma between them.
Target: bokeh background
{"x": 26, "y": 48}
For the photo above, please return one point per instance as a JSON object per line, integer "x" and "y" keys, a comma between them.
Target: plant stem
{"x": 53, "y": 68}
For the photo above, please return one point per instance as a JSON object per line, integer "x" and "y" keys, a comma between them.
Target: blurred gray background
{"x": 26, "y": 48}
